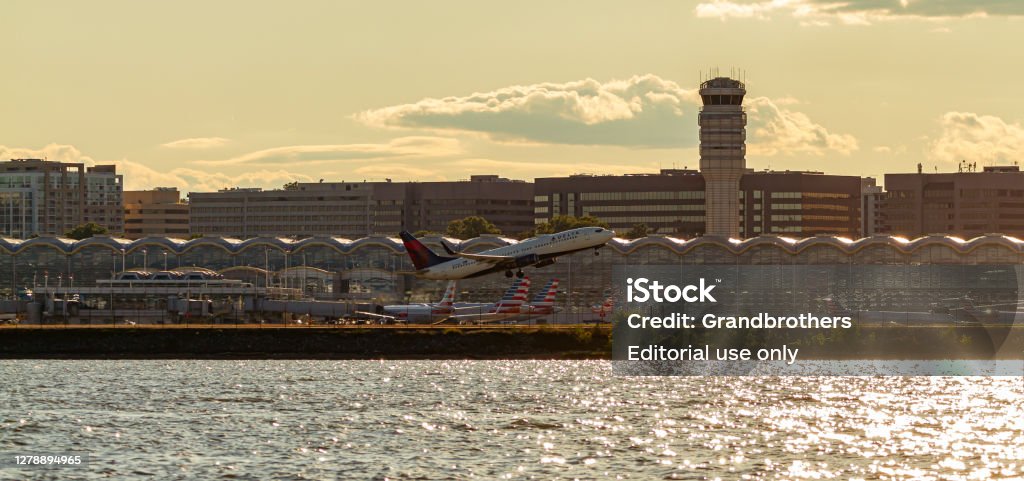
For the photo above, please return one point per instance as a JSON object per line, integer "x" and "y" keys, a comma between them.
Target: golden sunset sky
{"x": 206, "y": 95}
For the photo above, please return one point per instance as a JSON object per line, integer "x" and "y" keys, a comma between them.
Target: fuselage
{"x": 545, "y": 247}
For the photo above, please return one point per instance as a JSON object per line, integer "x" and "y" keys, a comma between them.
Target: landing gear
{"x": 508, "y": 273}
{"x": 520, "y": 274}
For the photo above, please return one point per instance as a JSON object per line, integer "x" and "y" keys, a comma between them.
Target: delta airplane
{"x": 538, "y": 251}
{"x": 513, "y": 305}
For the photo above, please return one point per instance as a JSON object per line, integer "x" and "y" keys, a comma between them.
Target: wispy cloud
{"x": 197, "y": 143}
{"x": 138, "y": 176}
{"x": 858, "y": 12}
{"x": 422, "y": 146}
{"x": 977, "y": 138}
{"x": 644, "y": 111}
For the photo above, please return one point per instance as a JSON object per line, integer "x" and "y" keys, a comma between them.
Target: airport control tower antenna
{"x": 722, "y": 153}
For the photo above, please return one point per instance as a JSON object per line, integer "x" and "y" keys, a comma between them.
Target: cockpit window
{"x": 598, "y": 230}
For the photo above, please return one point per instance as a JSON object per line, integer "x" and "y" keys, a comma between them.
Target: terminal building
{"x": 376, "y": 267}
{"x": 40, "y": 197}
{"x": 359, "y": 209}
{"x": 965, "y": 204}
{"x": 157, "y": 212}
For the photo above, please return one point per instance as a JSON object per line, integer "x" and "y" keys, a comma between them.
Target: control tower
{"x": 723, "y": 150}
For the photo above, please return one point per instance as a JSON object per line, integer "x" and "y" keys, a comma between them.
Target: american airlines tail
{"x": 421, "y": 255}
{"x": 545, "y": 298}
{"x": 448, "y": 299}
{"x": 514, "y": 297}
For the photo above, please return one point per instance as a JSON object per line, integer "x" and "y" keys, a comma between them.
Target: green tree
{"x": 424, "y": 233}
{"x": 560, "y": 223}
{"x": 195, "y": 236}
{"x": 294, "y": 185}
{"x": 85, "y": 231}
{"x": 638, "y": 231}
{"x": 470, "y": 227}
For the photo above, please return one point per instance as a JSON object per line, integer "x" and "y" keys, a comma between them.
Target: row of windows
{"x": 799, "y": 217}
{"x": 641, "y": 208}
{"x": 684, "y": 194}
{"x": 630, "y": 220}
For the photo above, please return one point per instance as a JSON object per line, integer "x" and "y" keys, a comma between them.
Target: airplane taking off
{"x": 538, "y": 251}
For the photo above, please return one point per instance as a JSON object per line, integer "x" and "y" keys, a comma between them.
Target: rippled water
{"x": 498, "y": 419}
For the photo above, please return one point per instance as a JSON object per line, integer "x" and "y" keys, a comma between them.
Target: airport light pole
{"x": 165, "y": 260}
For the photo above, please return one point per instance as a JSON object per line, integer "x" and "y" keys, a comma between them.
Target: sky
{"x": 207, "y": 95}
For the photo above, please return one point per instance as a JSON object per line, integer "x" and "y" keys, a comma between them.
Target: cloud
{"x": 776, "y": 130}
{"x": 197, "y": 143}
{"x": 977, "y": 138}
{"x": 307, "y": 154}
{"x": 644, "y": 111}
{"x": 858, "y": 12}
{"x": 139, "y": 176}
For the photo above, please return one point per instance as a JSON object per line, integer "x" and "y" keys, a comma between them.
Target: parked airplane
{"x": 604, "y": 309}
{"x": 538, "y": 251}
{"x": 513, "y": 305}
{"x": 421, "y": 312}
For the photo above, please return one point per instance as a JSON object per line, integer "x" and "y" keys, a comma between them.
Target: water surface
{"x": 498, "y": 419}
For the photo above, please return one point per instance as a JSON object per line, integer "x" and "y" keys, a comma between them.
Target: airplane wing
{"x": 486, "y": 258}
{"x": 481, "y": 318}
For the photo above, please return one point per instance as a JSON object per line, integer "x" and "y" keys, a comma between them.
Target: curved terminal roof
{"x": 623, "y": 246}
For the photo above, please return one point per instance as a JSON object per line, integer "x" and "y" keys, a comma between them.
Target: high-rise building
{"x": 872, "y": 197}
{"x": 966, "y": 203}
{"x": 157, "y": 212}
{"x": 359, "y": 209}
{"x": 722, "y": 152}
{"x": 40, "y": 197}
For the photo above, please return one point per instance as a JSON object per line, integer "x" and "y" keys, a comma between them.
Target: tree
{"x": 560, "y": 223}
{"x": 195, "y": 236}
{"x": 294, "y": 185}
{"x": 470, "y": 227}
{"x": 638, "y": 231}
{"x": 424, "y": 233}
{"x": 85, "y": 231}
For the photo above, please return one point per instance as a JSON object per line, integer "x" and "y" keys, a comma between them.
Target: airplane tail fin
{"x": 448, "y": 299}
{"x": 545, "y": 296}
{"x": 447, "y": 248}
{"x": 515, "y": 296}
{"x": 421, "y": 255}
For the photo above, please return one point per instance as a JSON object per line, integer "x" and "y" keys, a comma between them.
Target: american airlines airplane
{"x": 425, "y": 312}
{"x": 538, "y": 251}
{"x": 513, "y": 305}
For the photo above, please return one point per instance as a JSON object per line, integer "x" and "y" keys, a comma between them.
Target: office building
{"x": 799, "y": 204}
{"x": 670, "y": 202}
{"x": 358, "y": 209}
{"x": 674, "y": 202}
{"x": 157, "y": 212}
{"x": 40, "y": 197}
{"x": 871, "y": 196}
{"x": 965, "y": 204}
